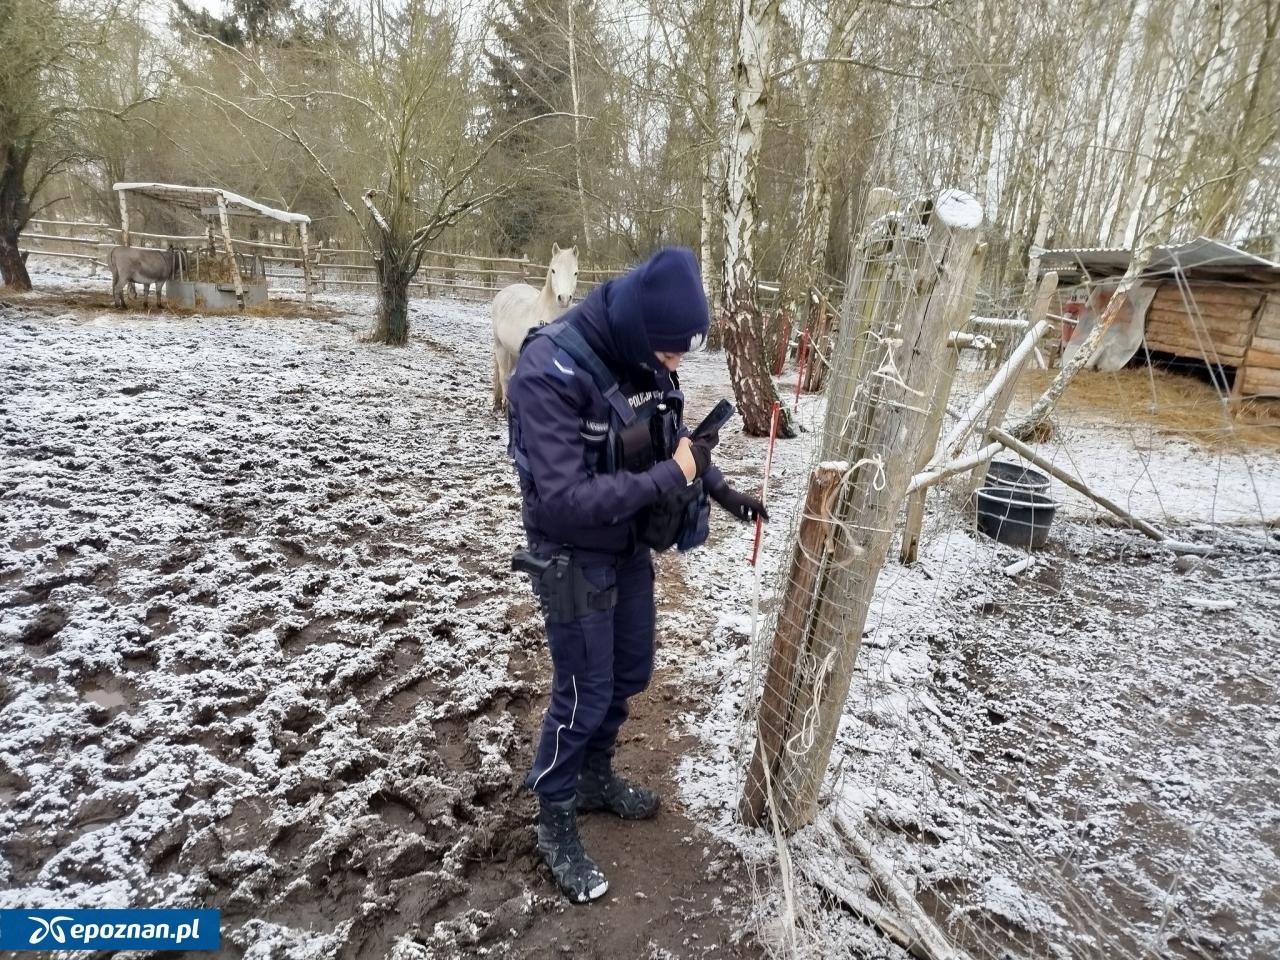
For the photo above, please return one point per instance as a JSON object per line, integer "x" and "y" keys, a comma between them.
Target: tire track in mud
{"x": 265, "y": 654}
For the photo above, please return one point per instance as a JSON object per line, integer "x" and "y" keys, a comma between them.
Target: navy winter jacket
{"x": 559, "y": 420}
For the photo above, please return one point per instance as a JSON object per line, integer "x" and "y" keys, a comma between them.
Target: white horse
{"x": 519, "y": 308}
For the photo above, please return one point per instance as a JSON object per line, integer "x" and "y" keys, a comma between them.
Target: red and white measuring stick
{"x": 803, "y": 356}
{"x": 764, "y": 484}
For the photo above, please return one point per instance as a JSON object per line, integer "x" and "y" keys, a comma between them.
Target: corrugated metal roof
{"x": 1201, "y": 255}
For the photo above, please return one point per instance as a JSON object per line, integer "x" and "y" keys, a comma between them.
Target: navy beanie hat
{"x": 666, "y": 291}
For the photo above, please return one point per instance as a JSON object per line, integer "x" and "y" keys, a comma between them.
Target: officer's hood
{"x": 659, "y": 305}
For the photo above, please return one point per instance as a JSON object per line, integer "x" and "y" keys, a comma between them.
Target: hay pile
{"x": 210, "y": 268}
{"x": 1171, "y": 403}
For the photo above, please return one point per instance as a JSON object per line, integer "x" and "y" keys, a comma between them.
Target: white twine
{"x": 808, "y": 724}
{"x": 875, "y": 460}
{"x": 888, "y": 369}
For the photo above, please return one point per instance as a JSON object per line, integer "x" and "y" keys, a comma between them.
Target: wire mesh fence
{"x": 995, "y": 752}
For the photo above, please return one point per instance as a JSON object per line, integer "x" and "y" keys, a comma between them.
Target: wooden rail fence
{"x": 446, "y": 273}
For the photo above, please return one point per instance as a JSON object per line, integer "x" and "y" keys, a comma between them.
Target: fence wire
{"x": 1065, "y": 753}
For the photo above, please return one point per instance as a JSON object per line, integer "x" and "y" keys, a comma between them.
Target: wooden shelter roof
{"x": 197, "y": 198}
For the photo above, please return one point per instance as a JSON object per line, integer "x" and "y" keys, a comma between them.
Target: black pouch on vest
{"x": 673, "y": 519}
{"x": 697, "y": 523}
{"x": 635, "y": 447}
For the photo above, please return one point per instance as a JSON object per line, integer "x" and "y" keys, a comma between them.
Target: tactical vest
{"x": 633, "y": 440}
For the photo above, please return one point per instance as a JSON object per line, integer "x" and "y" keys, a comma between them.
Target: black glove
{"x": 743, "y": 507}
{"x": 701, "y": 451}
{"x": 711, "y": 438}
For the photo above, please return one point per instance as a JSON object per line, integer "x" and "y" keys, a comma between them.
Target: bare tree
{"x": 1062, "y": 129}
{"x": 800, "y": 281}
{"x": 741, "y": 320}
{"x": 47, "y": 48}
{"x": 405, "y": 100}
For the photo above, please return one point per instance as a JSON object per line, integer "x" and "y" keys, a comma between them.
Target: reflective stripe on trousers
{"x": 598, "y": 662}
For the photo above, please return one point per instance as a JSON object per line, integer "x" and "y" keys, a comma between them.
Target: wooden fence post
{"x": 778, "y": 694}
{"x": 875, "y": 424}
{"x": 306, "y": 264}
{"x": 821, "y": 319}
{"x": 861, "y": 311}
{"x": 225, "y": 223}
{"x": 958, "y": 318}
{"x": 124, "y": 218}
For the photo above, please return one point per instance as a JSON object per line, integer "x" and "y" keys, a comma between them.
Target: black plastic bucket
{"x": 1002, "y": 473}
{"x": 1019, "y": 518}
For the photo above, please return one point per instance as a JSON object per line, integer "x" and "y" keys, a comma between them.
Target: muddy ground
{"x": 264, "y": 653}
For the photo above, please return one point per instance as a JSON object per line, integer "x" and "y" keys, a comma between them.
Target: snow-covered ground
{"x": 264, "y": 652}
{"x": 254, "y": 598}
{"x": 1076, "y": 761}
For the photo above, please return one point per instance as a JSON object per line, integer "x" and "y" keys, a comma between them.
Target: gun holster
{"x": 564, "y": 592}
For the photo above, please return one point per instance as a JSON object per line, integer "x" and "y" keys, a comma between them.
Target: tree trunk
{"x": 706, "y": 230}
{"x": 805, "y": 257}
{"x": 745, "y": 348}
{"x": 1176, "y": 195}
{"x": 577, "y": 130}
{"x": 13, "y": 267}
{"x": 1091, "y": 213}
{"x": 393, "y": 301}
{"x": 802, "y": 268}
{"x": 15, "y": 209}
{"x": 742, "y": 324}
{"x": 1257, "y": 128}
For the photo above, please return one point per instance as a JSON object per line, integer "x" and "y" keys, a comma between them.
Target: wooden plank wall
{"x": 1262, "y": 360}
{"x": 1214, "y": 326}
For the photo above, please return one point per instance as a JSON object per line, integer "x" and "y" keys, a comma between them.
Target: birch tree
{"x": 806, "y": 254}
{"x": 740, "y": 316}
{"x": 691, "y": 77}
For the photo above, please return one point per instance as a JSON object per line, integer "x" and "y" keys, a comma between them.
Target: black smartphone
{"x": 714, "y": 420}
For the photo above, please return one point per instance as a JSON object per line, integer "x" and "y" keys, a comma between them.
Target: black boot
{"x": 599, "y": 789}
{"x": 576, "y": 874}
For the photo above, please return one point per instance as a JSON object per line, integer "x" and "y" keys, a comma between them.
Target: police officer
{"x": 583, "y": 390}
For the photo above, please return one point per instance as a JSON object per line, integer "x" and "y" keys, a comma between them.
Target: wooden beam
{"x": 1261, "y": 382}
{"x": 225, "y": 221}
{"x": 1008, "y": 372}
{"x": 1257, "y": 357}
{"x": 1172, "y": 296}
{"x": 927, "y": 478}
{"x": 934, "y": 943}
{"x": 306, "y": 264}
{"x": 124, "y": 219}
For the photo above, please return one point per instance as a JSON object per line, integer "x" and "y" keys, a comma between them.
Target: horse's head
{"x": 563, "y": 274}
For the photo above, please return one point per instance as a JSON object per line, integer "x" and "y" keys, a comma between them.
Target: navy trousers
{"x": 598, "y": 662}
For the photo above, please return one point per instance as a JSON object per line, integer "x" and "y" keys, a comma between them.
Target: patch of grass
{"x": 272, "y": 309}
{"x": 288, "y": 309}
{"x": 1171, "y": 403}
{"x": 70, "y": 301}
